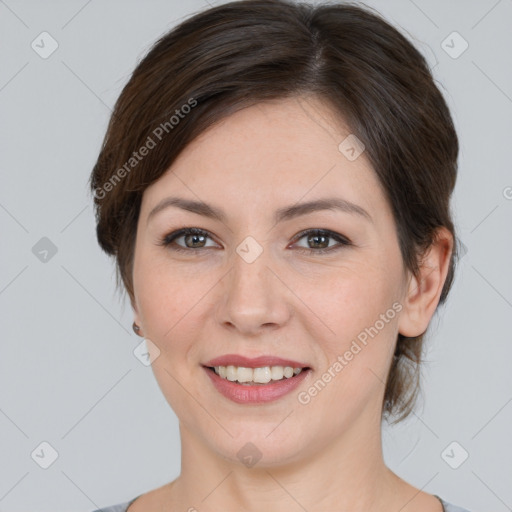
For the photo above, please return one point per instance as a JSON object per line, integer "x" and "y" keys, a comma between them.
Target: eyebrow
{"x": 282, "y": 214}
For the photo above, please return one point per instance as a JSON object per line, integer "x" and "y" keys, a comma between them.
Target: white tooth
{"x": 262, "y": 375}
{"x": 288, "y": 372}
{"x": 231, "y": 373}
{"x": 245, "y": 374}
{"x": 277, "y": 372}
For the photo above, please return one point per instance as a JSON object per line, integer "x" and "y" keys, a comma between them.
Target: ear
{"x": 136, "y": 316}
{"x": 423, "y": 292}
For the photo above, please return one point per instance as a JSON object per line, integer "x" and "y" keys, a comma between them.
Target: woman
{"x": 275, "y": 185}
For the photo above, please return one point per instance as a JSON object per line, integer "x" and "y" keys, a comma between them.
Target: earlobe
{"x": 424, "y": 291}
{"x": 136, "y": 325}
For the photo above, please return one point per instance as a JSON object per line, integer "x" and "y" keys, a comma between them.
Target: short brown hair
{"x": 241, "y": 53}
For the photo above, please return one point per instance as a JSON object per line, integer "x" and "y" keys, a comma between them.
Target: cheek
{"x": 348, "y": 300}
{"x": 168, "y": 302}
{"x": 360, "y": 308}
{"x": 166, "y": 297}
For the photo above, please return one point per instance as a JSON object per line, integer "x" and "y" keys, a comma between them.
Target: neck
{"x": 345, "y": 474}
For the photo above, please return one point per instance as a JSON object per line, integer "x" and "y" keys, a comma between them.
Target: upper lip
{"x": 255, "y": 362}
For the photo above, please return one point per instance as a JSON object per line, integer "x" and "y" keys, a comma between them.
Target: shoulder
{"x": 120, "y": 507}
{"x": 448, "y": 507}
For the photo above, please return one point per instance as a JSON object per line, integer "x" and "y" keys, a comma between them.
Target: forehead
{"x": 275, "y": 152}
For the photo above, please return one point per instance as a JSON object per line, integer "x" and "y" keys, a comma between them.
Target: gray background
{"x": 68, "y": 375}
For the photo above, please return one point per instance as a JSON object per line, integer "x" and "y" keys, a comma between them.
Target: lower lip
{"x": 257, "y": 393}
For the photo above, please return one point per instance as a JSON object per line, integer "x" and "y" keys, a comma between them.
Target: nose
{"x": 253, "y": 298}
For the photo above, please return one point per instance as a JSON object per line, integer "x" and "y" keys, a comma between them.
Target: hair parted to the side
{"x": 240, "y": 53}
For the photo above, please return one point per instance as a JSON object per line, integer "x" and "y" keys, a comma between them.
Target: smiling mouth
{"x": 256, "y": 376}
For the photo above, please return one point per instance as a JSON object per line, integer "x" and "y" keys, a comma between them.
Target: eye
{"x": 194, "y": 238}
{"x": 320, "y": 239}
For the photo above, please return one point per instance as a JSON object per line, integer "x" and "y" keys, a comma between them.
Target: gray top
{"x": 121, "y": 507}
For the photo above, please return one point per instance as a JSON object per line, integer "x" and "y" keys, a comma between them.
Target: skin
{"x": 327, "y": 454}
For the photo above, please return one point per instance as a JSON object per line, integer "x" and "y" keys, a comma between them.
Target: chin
{"x": 262, "y": 447}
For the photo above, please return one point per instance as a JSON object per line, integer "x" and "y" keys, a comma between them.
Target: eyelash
{"x": 171, "y": 237}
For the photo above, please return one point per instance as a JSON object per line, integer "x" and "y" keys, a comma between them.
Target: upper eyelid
{"x": 326, "y": 232}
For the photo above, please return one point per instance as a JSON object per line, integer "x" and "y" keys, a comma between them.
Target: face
{"x": 319, "y": 287}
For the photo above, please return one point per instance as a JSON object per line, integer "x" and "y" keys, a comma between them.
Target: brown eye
{"x": 193, "y": 238}
{"x": 319, "y": 240}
